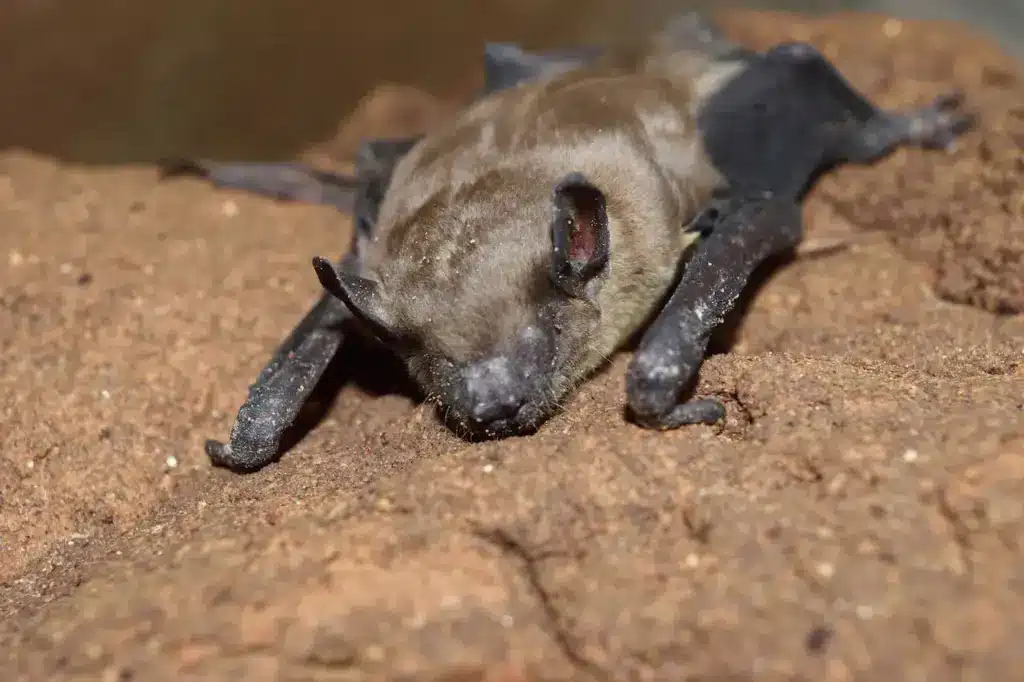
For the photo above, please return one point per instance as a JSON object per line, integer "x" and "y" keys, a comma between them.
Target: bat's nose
{"x": 494, "y": 407}
{"x": 492, "y": 391}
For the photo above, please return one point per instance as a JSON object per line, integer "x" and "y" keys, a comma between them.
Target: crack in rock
{"x": 959, "y": 530}
{"x": 528, "y": 561}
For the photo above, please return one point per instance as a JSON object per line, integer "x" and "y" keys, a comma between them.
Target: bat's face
{"x": 497, "y": 330}
{"x": 510, "y": 387}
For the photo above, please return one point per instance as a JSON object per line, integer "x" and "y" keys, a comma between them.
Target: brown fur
{"x": 463, "y": 245}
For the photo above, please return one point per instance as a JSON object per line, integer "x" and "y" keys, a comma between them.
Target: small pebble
{"x": 910, "y": 455}
{"x": 825, "y": 570}
{"x": 172, "y": 462}
{"x": 864, "y": 612}
{"x": 488, "y": 468}
{"x": 892, "y": 28}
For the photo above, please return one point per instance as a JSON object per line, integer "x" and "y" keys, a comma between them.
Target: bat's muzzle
{"x": 494, "y": 391}
{"x": 501, "y": 394}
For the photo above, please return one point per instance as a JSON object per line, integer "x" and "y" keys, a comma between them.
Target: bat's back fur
{"x": 462, "y": 247}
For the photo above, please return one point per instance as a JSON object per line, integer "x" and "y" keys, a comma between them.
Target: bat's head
{"x": 491, "y": 299}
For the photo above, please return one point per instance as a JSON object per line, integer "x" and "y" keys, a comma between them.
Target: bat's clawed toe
{"x": 939, "y": 125}
{"x": 656, "y": 407}
{"x": 218, "y": 452}
{"x": 952, "y": 99}
{"x": 700, "y": 411}
{"x": 961, "y": 123}
{"x": 654, "y": 383}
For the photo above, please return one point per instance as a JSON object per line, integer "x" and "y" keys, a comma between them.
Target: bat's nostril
{"x": 492, "y": 391}
{"x": 494, "y": 407}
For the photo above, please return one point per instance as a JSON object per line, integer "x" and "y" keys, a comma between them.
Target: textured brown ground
{"x": 859, "y": 517}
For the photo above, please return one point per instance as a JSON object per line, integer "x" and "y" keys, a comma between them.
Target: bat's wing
{"x": 286, "y": 181}
{"x": 287, "y": 381}
{"x": 507, "y": 65}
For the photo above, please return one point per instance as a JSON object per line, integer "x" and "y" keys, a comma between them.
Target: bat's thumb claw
{"x": 253, "y": 445}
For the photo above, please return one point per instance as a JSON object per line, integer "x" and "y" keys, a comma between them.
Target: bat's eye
{"x": 405, "y": 343}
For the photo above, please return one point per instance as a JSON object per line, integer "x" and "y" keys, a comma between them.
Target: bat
{"x": 585, "y": 197}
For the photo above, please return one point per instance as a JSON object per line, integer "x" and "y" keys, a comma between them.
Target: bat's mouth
{"x": 525, "y": 421}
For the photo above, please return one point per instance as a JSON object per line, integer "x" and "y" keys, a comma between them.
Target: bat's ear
{"x": 579, "y": 234}
{"x": 362, "y": 296}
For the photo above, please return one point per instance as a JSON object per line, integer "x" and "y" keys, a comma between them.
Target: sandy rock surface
{"x": 858, "y": 517}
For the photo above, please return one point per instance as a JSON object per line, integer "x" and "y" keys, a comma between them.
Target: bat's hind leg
{"x": 771, "y": 130}
{"x": 937, "y": 126}
{"x": 860, "y": 131}
{"x": 789, "y": 115}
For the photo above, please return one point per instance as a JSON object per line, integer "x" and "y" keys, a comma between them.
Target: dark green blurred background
{"x": 111, "y": 81}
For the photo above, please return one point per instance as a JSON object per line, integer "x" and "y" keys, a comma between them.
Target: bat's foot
{"x": 939, "y": 125}
{"x": 700, "y": 411}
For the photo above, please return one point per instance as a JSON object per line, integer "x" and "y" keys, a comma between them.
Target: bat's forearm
{"x": 743, "y": 232}
{"x": 282, "y": 388}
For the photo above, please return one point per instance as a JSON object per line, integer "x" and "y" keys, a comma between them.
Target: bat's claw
{"x": 950, "y": 100}
{"x": 939, "y": 125}
{"x": 700, "y": 411}
{"x": 653, "y": 386}
{"x": 219, "y": 453}
{"x": 245, "y": 453}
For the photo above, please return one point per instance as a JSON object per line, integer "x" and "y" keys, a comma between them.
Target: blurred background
{"x": 114, "y": 81}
